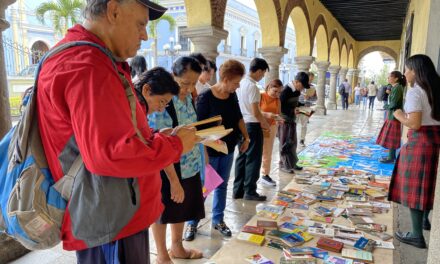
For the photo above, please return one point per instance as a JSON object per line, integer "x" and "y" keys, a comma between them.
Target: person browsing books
{"x": 248, "y": 163}
{"x": 271, "y": 109}
{"x": 83, "y": 108}
{"x": 222, "y": 100}
{"x": 181, "y": 183}
{"x": 287, "y": 130}
{"x": 307, "y": 97}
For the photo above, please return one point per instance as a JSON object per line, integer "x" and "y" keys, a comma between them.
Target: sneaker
{"x": 223, "y": 229}
{"x": 297, "y": 167}
{"x": 301, "y": 142}
{"x": 266, "y": 179}
{"x": 255, "y": 197}
{"x": 190, "y": 233}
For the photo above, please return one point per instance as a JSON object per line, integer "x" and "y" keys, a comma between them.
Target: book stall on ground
{"x": 324, "y": 215}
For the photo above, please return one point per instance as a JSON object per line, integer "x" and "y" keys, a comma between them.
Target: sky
{"x": 249, "y": 3}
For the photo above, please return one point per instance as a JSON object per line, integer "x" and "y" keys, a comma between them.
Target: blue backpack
{"x": 32, "y": 205}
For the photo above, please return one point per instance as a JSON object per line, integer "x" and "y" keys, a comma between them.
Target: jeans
{"x": 371, "y": 103}
{"x": 222, "y": 165}
{"x": 248, "y": 164}
{"x": 357, "y": 99}
{"x": 364, "y": 101}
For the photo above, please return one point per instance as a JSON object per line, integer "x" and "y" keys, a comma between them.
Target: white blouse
{"x": 417, "y": 101}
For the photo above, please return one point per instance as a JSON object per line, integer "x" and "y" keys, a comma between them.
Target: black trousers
{"x": 128, "y": 250}
{"x": 248, "y": 164}
{"x": 288, "y": 144}
{"x": 344, "y": 99}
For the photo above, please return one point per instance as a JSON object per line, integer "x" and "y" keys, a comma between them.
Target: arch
{"x": 301, "y": 22}
{"x": 320, "y": 33}
{"x": 269, "y": 14}
{"x": 334, "y": 54}
{"x": 344, "y": 54}
{"x": 387, "y": 50}
{"x": 38, "y": 49}
{"x": 350, "y": 57}
{"x": 193, "y": 11}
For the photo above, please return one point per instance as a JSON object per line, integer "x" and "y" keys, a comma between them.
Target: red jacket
{"x": 81, "y": 105}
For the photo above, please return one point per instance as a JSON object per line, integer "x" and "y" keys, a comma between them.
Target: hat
{"x": 155, "y": 11}
{"x": 303, "y": 78}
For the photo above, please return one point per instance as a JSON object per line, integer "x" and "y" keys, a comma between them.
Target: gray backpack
{"x": 32, "y": 205}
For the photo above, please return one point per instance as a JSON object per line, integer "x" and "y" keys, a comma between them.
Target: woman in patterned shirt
{"x": 181, "y": 182}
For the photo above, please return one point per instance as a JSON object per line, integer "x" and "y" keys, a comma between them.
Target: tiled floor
{"x": 355, "y": 121}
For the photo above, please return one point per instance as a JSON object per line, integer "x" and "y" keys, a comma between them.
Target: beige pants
{"x": 267, "y": 149}
{"x": 303, "y": 119}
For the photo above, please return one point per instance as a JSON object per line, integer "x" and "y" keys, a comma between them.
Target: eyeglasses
{"x": 163, "y": 103}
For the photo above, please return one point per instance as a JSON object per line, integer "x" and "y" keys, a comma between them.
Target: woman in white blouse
{"x": 414, "y": 176}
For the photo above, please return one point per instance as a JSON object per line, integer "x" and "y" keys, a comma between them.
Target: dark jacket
{"x": 289, "y": 101}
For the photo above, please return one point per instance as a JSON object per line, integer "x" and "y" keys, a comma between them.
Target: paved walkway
{"x": 354, "y": 121}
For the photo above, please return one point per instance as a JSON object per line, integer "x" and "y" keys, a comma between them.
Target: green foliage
{"x": 382, "y": 78}
{"x": 152, "y": 25}
{"x": 15, "y": 104}
{"x": 63, "y": 13}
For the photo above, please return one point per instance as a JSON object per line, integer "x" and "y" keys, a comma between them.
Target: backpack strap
{"x": 65, "y": 184}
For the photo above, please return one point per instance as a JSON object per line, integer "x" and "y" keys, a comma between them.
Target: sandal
{"x": 192, "y": 254}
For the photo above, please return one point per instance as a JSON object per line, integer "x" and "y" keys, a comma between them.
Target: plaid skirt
{"x": 390, "y": 135}
{"x": 414, "y": 175}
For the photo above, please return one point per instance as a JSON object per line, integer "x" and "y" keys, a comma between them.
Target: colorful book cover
{"x": 276, "y": 234}
{"x": 359, "y": 255}
{"x": 287, "y": 227}
{"x": 337, "y": 260}
{"x": 305, "y": 235}
{"x": 251, "y": 238}
{"x": 253, "y": 230}
{"x": 298, "y": 206}
{"x": 212, "y": 180}
{"x": 292, "y": 239}
{"x": 258, "y": 259}
{"x": 268, "y": 225}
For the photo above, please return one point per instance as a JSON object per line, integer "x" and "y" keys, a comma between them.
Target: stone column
{"x": 303, "y": 63}
{"x": 273, "y": 56}
{"x": 350, "y": 75}
{"x": 5, "y": 113}
{"x": 334, "y": 70}
{"x": 342, "y": 74}
{"x": 206, "y": 40}
{"x": 320, "y": 88}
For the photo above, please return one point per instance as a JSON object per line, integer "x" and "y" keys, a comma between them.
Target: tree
{"x": 64, "y": 13}
{"x": 152, "y": 30}
{"x": 382, "y": 78}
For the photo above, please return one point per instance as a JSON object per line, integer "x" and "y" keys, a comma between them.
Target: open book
{"x": 306, "y": 110}
{"x": 211, "y": 136}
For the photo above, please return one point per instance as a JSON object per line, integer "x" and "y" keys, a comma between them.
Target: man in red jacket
{"x": 83, "y": 109}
